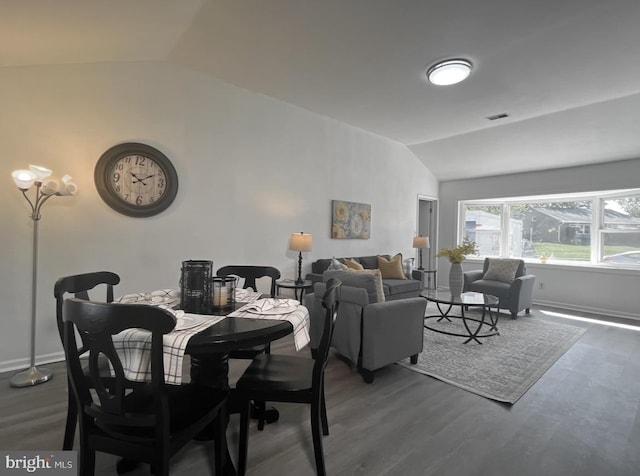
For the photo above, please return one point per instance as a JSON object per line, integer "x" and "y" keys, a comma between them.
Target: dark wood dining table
{"x": 209, "y": 352}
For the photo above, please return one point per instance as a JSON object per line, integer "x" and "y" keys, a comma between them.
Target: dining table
{"x": 209, "y": 338}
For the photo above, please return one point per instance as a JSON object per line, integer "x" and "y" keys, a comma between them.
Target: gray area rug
{"x": 505, "y": 366}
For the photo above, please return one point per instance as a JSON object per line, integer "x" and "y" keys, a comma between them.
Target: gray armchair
{"x": 370, "y": 336}
{"x": 515, "y": 295}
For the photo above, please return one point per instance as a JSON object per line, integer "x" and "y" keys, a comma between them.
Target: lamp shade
{"x": 300, "y": 242}
{"x": 421, "y": 242}
{"x": 69, "y": 187}
{"x": 24, "y": 179}
{"x": 41, "y": 172}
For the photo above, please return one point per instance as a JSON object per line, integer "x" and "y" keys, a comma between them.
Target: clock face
{"x": 136, "y": 179}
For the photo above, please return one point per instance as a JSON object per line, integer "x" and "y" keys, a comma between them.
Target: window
{"x": 620, "y": 233}
{"x": 560, "y": 227}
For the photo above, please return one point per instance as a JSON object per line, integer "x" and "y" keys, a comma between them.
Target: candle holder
{"x": 223, "y": 292}
{"x": 195, "y": 291}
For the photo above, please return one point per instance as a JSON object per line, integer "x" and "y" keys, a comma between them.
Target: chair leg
{"x": 414, "y": 359}
{"x": 514, "y": 315}
{"x": 527, "y": 311}
{"x": 87, "y": 457}
{"x": 260, "y": 408}
{"x": 323, "y": 414}
{"x": 243, "y": 444}
{"x": 220, "y": 445}
{"x": 70, "y": 426}
{"x": 317, "y": 438}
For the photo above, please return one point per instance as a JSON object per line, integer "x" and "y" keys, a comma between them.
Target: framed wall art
{"x": 350, "y": 220}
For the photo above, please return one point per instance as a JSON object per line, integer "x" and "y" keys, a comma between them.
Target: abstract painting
{"x": 350, "y": 220}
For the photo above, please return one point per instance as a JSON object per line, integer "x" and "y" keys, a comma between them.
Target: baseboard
{"x": 21, "y": 364}
{"x": 592, "y": 310}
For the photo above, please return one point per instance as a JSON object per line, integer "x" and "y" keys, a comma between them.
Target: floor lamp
{"x": 300, "y": 242}
{"x": 46, "y": 187}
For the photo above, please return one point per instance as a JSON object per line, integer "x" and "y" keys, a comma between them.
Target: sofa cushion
{"x": 503, "y": 270}
{"x": 320, "y": 265}
{"x": 499, "y": 289}
{"x": 352, "y": 263}
{"x": 391, "y": 268}
{"x": 370, "y": 262}
{"x": 371, "y": 280}
{"x": 399, "y": 286}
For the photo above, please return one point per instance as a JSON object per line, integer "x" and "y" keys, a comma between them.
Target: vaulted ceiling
{"x": 566, "y": 72}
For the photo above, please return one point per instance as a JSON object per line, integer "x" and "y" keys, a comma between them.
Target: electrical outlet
{"x": 541, "y": 285}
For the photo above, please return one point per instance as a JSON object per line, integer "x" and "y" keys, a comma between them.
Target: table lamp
{"x": 300, "y": 242}
{"x": 420, "y": 242}
{"x": 46, "y": 187}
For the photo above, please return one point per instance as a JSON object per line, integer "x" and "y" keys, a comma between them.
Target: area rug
{"x": 505, "y": 366}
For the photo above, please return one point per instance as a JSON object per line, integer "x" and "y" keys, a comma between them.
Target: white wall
{"x": 252, "y": 170}
{"x": 588, "y": 288}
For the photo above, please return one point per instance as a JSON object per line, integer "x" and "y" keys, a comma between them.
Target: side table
{"x": 421, "y": 274}
{"x": 298, "y": 288}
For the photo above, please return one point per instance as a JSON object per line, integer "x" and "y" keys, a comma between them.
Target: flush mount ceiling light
{"x": 449, "y": 72}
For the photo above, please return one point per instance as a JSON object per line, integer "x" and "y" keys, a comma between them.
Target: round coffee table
{"x": 473, "y": 325}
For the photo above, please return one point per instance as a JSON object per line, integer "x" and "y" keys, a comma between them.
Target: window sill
{"x": 569, "y": 265}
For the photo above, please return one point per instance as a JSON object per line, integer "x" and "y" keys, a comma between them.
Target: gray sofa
{"x": 370, "y": 335}
{"x": 393, "y": 288}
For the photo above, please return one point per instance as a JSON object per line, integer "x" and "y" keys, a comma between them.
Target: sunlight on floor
{"x": 592, "y": 321}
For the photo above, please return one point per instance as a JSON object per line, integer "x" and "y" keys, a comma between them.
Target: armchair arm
{"x": 521, "y": 293}
{"x": 392, "y": 331}
{"x": 471, "y": 276}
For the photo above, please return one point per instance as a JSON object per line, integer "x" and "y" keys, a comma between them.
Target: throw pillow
{"x": 335, "y": 264}
{"x": 391, "y": 269}
{"x": 377, "y": 276}
{"x": 503, "y": 270}
{"x": 353, "y": 264}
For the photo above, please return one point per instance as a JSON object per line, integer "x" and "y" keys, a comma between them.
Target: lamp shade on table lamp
{"x": 420, "y": 242}
{"x": 300, "y": 242}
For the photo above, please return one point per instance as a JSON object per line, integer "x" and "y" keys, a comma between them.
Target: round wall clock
{"x": 136, "y": 179}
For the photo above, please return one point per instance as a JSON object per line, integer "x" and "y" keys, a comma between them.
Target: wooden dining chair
{"x": 250, "y": 274}
{"x": 140, "y": 421}
{"x": 284, "y": 378}
{"x": 79, "y": 286}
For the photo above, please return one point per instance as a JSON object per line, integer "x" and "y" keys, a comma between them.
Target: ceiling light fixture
{"x": 449, "y": 72}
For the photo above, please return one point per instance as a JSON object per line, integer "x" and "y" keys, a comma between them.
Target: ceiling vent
{"x": 495, "y": 117}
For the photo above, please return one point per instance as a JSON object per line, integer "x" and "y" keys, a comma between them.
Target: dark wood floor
{"x": 581, "y": 418}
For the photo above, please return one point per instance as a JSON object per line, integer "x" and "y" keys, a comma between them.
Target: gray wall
{"x": 588, "y": 288}
{"x": 252, "y": 171}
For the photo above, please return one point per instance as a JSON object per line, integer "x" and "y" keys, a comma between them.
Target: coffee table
{"x": 474, "y": 326}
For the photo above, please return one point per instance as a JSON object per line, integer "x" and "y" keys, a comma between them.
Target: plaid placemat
{"x": 134, "y": 348}
{"x": 299, "y": 319}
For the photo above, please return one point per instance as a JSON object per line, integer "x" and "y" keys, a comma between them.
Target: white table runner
{"x": 134, "y": 348}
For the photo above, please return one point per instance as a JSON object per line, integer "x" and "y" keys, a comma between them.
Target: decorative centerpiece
{"x": 456, "y": 256}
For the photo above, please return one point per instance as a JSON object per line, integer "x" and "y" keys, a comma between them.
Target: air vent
{"x": 498, "y": 116}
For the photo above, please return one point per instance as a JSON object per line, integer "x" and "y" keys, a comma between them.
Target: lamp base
{"x": 30, "y": 377}
{"x": 299, "y": 281}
